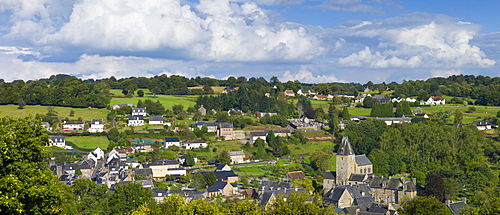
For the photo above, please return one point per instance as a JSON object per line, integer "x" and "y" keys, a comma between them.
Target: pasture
{"x": 62, "y": 112}
{"x": 166, "y": 100}
{"x": 89, "y": 142}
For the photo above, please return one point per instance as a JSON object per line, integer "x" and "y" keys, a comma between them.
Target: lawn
{"x": 63, "y": 112}
{"x": 310, "y": 147}
{"x": 481, "y": 111}
{"x": 166, "y": 100}
{"x": 87, "y": 142}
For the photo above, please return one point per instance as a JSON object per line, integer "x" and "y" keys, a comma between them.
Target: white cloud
{"x": 305, "y": 76}
{"x": 417, "y": 41}
{"x": 445, "y": 73}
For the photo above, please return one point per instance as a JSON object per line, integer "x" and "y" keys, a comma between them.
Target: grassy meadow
{"x": 63, "y": 112}
{"x": 166, "y": 100}
{"x": 88, "y": 142}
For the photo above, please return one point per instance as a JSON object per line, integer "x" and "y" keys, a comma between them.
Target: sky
{"x": 310, "y": 41}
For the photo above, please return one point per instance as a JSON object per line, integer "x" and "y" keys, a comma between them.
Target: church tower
{"x": 346, "y": 162}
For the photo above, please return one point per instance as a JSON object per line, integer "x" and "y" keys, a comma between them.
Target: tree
{"x": 189, "y": 159}
{"x": 471, "y": 109}
{"x": 458, "y": 116}
{"x": 21, "y": 103}
{"x": 27, "y": 186}
{"x": 422, "y": 206}
{"x": 368, "y": 102}
{"x": 140, "y": 93}
{"x": 345, "y": 114}
{"x": 435, "y": 186}
{"x": 224, "y": 158}
{"x": 128, "y": 197}
{"x": 320, "y": 161}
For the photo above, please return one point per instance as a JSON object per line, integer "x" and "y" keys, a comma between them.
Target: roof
{"x": 457, "y": 207}
{"x": 330, "y": 175}
{"x": 236, "y": 153}
{"x": 289, "y": 92}
{"x": 73, "y": 123}
{"x": 139, "y": 109}
{"x": 357, "y": 177}
{"x": 145, "y": 171}
{"x": 171, "y": 139}
{"x": 221, "y": 166}
{"x": 481, "y": 123}
{"x": 96, "y": 121}
{"x": 362, "y": 160}
{"x": 58, "y": 138}
{"x": 275, "y": 185}
{"x": 278, "y": 131}
{"x": 195, "y": 141}
{"x": 295, "y": 175}
{"x": 224, "y": 174}
{"x": 345, "y": 147}
{"x": 218, "y": 185}
{"x": 437, "y": 98}
{"x": 156, "y": 118}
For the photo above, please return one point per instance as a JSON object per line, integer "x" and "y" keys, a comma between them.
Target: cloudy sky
{"x": 310, "y": 41}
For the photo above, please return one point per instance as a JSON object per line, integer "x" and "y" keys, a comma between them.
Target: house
{"x": 302, "y": 92}
{"x": 122, "y": 151}
{"x": 227, "y": 89}
{"x": 191, "y": 144}
{"x": 225, "y": 129}
{"x": 116, "y": 106}
{"x": 399, "y": 99}
{"x": 482, "y": 125}
{"x": 346, "y": 95}
{"x": 46, "y": 125}
{"x": 262, "y": 114}
{"x": 458, "y": 207}
{"x": 189, "y": 194}
{"x": 160, "y": 168}
{"x": 269, "y": 196}
{"x": 268, "y": 95}
{"x": 392, "y": 120}
{"x": 182, "y": 159}
{"x": 343, "y": 196}
{"x": 211, "y": 126}
{"x": 251, "y": 193}
{"x": 311, "y": 92}
{"x": 424, "y": 115}
{"x": 292, "y": 176}
{"x": 202, "y": 110}
{"x": 256, "y": 135}
{"x": 319, "y": 97}
{"x": 156, "y": 120}
{"x": 392, "y": 189}
{"x": 59, "y": 141}
{"x": 220, "y": 188}
{"x": 280, "y": 132}
{"x": 139, "y": 112}
{"x": 96, "y": 125}
{"x": 237, "y": 156}
{"x": 434, "y": 100}
{"x": 98, "y": 153}
{"x": 143, "y": 147}
{"x": 171, "y": 141}
{"x": 289, "y": 93}
{"x": 136, "y": 120}
{"x": 73, "y": 126}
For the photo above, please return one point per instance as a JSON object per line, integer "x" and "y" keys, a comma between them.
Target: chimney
{"x": 464, "y": 199}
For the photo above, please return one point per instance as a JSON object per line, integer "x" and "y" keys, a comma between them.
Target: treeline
{"x": 58, "y": 90}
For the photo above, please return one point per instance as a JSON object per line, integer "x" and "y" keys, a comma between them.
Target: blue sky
{"x": 310, "y": 41}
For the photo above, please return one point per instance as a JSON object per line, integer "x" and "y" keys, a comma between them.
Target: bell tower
{"x": 346, "y": 162}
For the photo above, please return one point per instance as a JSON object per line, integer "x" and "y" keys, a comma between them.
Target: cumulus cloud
{"x": 445, "y": 73}
{"x": 306, "y": 76}
{"x": 354, "y": 5}
{"x": 417, "y": 40}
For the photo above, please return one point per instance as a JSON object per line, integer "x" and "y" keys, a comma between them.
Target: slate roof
{"x": 145, "y": 171}
{"x": 278, "y": 131}
{"x": 481, "y": 123}
{"x": 295, "y": 175}
{"x": 195, "y": 141}
{"x": 345, "y": 147}
{"x": 171, "y": 139}
{"x": 136, "y": 117}
{"x": 275, "y": 185}
{"x": 224, "y": 174}
{"x": 257, "y": 133}
{"x": 267, "y": 194}
{"x": 156, "y": 118}
{"x": 458, "y": 207}
{"x": 58, "y": 139}
{"x": 236, "y": 153}
{"x": 357, "y": 177}
{"x": 330, "y": 175}
{"x": 218, "y": 185}
{"x": 362, "y": 160}
{"x": 220, "y": 166}
{"x": 96, "y": 121}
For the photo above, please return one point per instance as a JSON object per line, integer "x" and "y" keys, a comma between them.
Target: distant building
{"x": 136, "y": 120}
{"x": 156, "y": 120}
{"x": 482, "y": 125}
{"x": 434, "y": 100}
{"x": 191, "y": 144}
{"x": 202, "y": 110}
{"x": 96, "y": 125}
{"x": 116, "y": 106}
{"x": 73, "y": 126}
{"x": 171, "y": 141}
{"x": 139, "y": 112}
{"x": 237, "y": 156}
{"x": 289, "y": 93}
{"x": 59, "y": 141}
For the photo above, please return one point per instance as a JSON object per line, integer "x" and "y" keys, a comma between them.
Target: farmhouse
{"x": 96, "y": 125}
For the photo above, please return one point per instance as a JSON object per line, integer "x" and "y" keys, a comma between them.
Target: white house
{"x": 171, "y": 141}
{"x": 96, "y": 125}
{"x": 434, "y": 100}
{"x": 256, "y": 135}
{"x": 289, "y": 93}
{"x": 59, "y": 141}
{"x": 136, "y": 120}
{"x": 73, "y": 126}
{"x": 98, "y": 152}
{"x": 191, "y": 144}
{"x": 302, "y": 92}
{"x": 139, "y": 112}
{"x": 237, "y": 156}
{"x": 482, "y": 125}
{"x": 116, "y": 106}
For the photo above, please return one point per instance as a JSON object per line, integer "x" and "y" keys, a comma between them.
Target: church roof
{"x": 345, "y": 147}
{"x": 362, "y": 160}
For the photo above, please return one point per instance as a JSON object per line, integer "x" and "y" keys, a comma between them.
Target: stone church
{"x": 355, "y": 185}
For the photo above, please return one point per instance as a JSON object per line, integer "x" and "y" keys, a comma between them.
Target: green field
{"x": 310, "y": 147}
{"x": 166, "y": 100}
{"x": 88, "y": 142}
{"x": 63, "y": 112}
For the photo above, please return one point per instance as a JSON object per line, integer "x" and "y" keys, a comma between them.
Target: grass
{"x": 63, "y": 112}
{"x": 166, "y": 100}
{"x": 87, "y": 142}
{"x": 310, "y": 147}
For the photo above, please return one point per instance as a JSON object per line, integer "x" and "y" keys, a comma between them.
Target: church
{"x": 355, "y": 185}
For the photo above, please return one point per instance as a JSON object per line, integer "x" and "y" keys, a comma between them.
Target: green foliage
{"x": 27, "y": 186}
{"x": 345, "y": 114}
{"x": 189, "y": 159}
{"x": 365, "y": 135}
{"x": 152, "y": 108}
{"x": 224, "y": 158}
{"x": 128, "y": 197}
{"x": 423, "y": 206}
{"x": 140, "y": 93}
{"x": 382, "y": 110}
{"x": 320, "y": 161}
{"x": 203, "y": 180}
